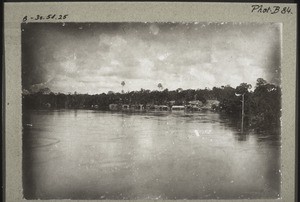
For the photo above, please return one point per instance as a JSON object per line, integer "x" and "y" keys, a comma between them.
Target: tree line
{"x": 262, "y": 103}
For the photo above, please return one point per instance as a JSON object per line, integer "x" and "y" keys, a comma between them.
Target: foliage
{"x": 262, "y": 106}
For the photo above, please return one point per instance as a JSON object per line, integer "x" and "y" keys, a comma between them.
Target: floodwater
{"x": 86, "y": 154}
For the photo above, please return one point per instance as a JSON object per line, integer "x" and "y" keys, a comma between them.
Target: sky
{"x": 95, "y": 58}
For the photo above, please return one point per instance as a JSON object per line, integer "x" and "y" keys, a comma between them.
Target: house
{"x": 125, "y": 107}
{"x": 114, "y": 107}
{"x": 132, "y": 107}
{"x": 178, "y": 108}
{"x": 163, "y": 108}
{"x": 139, "y": 107}
{"x": 211, "y": 104}
{"x": 197, "y": 103}
{"x": 194, "y": 105}
{"x": 95, "y": 106}
{"x": 172, "y": 102}
{"x": 149, "y": 107}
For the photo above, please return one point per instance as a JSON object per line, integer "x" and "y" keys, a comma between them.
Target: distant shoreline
{"x": 260, "y": 107}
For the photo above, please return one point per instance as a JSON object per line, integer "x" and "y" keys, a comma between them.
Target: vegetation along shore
{"x": 262, "y": 103}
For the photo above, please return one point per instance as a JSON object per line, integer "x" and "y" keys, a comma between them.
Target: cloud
{"x": 97, "y": 57}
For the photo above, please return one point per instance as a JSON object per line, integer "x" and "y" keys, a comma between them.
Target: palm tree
{"x": 123, "y": 84}
{"x": 179, "y": 90}
{"x": 160, "y": 86}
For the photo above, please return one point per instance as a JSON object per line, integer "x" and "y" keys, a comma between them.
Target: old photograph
{"x": 151, "y": 110}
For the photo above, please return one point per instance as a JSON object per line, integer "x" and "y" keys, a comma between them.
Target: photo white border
{"x": 143, "y": 12}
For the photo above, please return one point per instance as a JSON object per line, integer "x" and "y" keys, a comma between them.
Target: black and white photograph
{"x": 151, "y": 110}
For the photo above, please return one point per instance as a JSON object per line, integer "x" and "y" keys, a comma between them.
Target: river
{"x": 87, "y": 154}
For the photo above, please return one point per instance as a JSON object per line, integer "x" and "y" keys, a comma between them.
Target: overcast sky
{"x": 96, "y": 57}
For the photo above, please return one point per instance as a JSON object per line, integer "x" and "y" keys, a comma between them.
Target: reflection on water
{"x": 83, "y": 154}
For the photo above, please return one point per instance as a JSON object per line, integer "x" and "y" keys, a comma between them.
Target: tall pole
{"x": 243, "y": 110}
{"x": 243, "y": 113}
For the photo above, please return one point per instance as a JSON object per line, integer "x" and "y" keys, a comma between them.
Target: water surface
{"x": 86, "y": 154}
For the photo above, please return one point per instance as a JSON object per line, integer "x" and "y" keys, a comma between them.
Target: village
{"x": 195, "y": 105}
